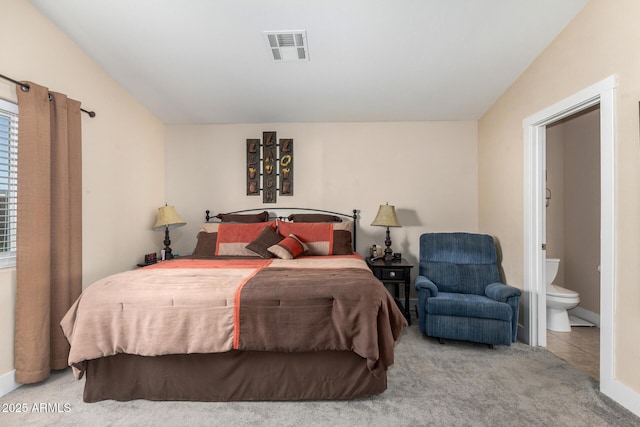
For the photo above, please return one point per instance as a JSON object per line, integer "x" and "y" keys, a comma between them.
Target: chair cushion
{"x": 461, "y": 278}
{"x": 458, "y": 248}
{"x": 459, "y": 262}
{"x": 468, "y": 305}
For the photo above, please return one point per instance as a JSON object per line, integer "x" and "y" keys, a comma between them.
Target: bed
{"x": 264, "y": 309}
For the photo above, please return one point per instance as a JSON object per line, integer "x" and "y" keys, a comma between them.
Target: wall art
{"x": 269, "y": 168}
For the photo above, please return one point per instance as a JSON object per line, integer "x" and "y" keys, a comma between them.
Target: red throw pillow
{"x": 289, "y": 248}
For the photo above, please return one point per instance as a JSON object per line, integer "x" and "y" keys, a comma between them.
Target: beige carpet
{"x": 455, "y": 384}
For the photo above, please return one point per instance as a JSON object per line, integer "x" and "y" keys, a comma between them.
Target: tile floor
{"x": 580, "y": 347}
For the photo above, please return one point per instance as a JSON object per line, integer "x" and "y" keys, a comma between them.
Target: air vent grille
{"x": 288, "y": 45}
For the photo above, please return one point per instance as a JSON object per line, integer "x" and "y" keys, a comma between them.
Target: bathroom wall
{"x": 582, "y": 208}
{"x": 555, "y": 188}
{"x": 573, "y": 215}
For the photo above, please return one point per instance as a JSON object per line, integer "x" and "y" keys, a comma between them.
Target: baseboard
{"x": 623, "y": 395}
{"x": 587, "y": 315}
{"x": 8, "y": 383}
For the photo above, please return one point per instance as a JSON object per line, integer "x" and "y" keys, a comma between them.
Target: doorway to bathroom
{"x": 534, "y": 330}
{"x": 572, "y": 231}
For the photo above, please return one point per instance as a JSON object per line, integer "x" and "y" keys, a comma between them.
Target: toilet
{"x": 559, "y": 299}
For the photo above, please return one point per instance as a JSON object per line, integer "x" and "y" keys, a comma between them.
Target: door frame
{"x": 534, "y": 298}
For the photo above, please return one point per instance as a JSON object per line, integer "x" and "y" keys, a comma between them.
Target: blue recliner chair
{"x": 460, "y": 296}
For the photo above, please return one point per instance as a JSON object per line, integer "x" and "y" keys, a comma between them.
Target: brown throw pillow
{"x": 314, "y": 218}
{"x": 261, "y": 244}
{"x": 245, "y": 218}
{"x": 206, "y": 246}
{"x": 342, "y": 244}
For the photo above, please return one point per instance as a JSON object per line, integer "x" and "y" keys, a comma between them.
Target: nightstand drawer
{"x": 392, "y": 274}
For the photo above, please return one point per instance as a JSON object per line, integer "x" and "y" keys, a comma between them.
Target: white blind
{"x": 8, "y": 182}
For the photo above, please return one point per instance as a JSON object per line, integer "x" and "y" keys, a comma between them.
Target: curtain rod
{"x": 26, "y": 87}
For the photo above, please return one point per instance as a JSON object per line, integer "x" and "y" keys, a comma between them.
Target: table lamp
{"x": 387, "y": 217}
{"x": 168, "y": 218}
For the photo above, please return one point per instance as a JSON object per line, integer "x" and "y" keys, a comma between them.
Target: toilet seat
{"x": 560, "y": 292}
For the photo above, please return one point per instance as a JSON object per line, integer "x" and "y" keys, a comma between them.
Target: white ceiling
{"x": 207, "y": 61}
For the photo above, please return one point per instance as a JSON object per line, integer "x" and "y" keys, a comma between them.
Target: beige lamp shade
{"x": 386, "y": 217}
{"x": 168, "y": 217}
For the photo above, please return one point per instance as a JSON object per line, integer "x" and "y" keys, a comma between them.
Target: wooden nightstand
{"x": 396, "y": 273}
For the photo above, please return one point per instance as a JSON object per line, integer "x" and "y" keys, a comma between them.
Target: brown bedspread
{"x": 213, "y": 306}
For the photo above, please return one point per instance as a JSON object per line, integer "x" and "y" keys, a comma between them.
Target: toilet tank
{"x": 551, "y": 270}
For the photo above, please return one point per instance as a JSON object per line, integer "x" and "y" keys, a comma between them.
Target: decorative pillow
{"x": 244, "y": 218}
{"x": 314, "y": 218}
{"x": 261, "y": 244}
{"x": 233, "y": 238}
{"x": 342, "y": 239}
{"x": 289, "y": 248}
{"x": 209, "y": 227}
{"x": 322, "y": 238}
{"x": 206, "y": 246}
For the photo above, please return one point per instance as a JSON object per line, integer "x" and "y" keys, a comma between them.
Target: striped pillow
{"x": 233, "y": 238}
{"x": 289, "y": 248}
{"x": 322, "y": 238}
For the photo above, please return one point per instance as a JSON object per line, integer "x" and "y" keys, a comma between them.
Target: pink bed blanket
{"x": 211, "y": 306}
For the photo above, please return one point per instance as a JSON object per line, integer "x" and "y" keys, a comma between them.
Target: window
{"x": 8, "y": 182}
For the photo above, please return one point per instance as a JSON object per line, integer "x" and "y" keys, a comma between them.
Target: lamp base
{"x": 167, "y": 242}
{"x": 388, "y": 252}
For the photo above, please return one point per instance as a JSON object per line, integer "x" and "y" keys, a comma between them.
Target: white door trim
{"x": 534, "y": 298}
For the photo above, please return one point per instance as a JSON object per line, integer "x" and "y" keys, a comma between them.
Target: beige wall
{"x": 123, "y": 152}
{"x": 602, "y": 40}
{"x": 428, "y": 170}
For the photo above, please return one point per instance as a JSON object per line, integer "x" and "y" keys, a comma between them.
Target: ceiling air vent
{"x": 288, "y": 45}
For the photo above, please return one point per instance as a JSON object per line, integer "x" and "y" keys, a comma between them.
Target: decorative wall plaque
{"x": 253, "y": 167}
{"x": 269, "y": 167}
{"x": 286, "y": 167}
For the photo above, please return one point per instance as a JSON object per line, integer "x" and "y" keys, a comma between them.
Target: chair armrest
{"x": 422, "y": 283}
{"x": 501, "y": 292}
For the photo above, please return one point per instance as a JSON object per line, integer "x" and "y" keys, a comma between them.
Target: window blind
{"x": 8, "y": 182}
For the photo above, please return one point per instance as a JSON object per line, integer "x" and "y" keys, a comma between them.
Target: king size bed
{"x": 264, "y": 309}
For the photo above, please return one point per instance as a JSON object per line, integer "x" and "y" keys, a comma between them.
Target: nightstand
{"x": 146, "y": 265}
{"x": 396, "y": 273}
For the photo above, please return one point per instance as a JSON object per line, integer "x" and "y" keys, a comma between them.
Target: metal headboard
{"x": 353, "y": 216}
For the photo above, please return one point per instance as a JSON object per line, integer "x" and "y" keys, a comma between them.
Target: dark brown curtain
{"x": 49, "y": 228}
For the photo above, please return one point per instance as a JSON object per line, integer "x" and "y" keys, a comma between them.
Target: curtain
{"x": 49, "y": 229}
